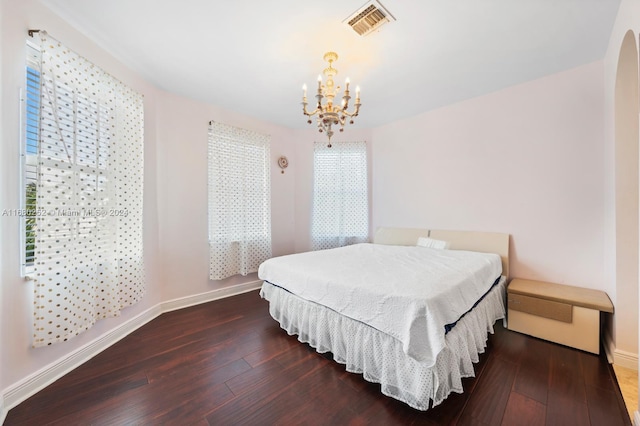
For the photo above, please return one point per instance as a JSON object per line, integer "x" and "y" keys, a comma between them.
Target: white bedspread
{"x": 408, "y": 292}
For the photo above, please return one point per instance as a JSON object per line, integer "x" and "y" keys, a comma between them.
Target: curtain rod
{"x": 32, "y": 32}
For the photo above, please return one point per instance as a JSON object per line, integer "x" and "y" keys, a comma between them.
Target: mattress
{"x": 408, "y": 293}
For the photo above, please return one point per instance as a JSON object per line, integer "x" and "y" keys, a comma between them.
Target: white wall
{"x": 624, "y": 294}
{"x": 182, "y": 180}
{"x": 628, "y": 18}
{"x": 625, "y": 334}
{"x": 526, "y": 160}
{"x": 2, "y": 143}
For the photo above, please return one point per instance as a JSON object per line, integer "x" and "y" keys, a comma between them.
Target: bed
{"x": 384, "y": 311}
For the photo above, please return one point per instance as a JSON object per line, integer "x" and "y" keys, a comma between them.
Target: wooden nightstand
{"x": 560, "y": 313}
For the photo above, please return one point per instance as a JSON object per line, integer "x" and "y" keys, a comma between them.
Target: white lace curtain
{"x": 340, "y": 195}
{"x": 239, "y": 201}
{"x": 88, "y": 250}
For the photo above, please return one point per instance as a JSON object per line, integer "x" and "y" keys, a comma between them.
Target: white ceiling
{"x": 253, "y": 56}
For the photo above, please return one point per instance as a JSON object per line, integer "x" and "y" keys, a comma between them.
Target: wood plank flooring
{"x": 228, "y": 362}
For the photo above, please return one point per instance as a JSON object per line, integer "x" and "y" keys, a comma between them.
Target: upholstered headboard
{"x": 484, "y": 242}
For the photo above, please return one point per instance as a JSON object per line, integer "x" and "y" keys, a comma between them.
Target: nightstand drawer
{"x": 582, "y": 333}
{"x": 540, "y": 307}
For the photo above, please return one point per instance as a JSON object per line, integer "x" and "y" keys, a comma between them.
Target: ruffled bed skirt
{"x": 379, "y": 357}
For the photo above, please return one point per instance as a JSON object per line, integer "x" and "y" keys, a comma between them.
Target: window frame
{"x": 32, "y": 53}
{"x": 238, "y": 200}
{"x": 341, "y": 190}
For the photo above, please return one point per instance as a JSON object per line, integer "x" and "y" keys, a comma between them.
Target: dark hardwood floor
{"x": 228, "y": 362}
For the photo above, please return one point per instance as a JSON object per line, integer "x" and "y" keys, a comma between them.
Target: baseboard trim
{"x": 20, "y": 391}
{"x": 609, "y": 347}
{"x": 619, "y": 357}
{"x": 27, "y": 387}
{"x": 625, "y": 359}
{"x": 636, "y": 418}
{"x": 197, "y": 299}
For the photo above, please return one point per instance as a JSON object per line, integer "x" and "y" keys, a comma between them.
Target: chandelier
{"x": 328, "y": 114}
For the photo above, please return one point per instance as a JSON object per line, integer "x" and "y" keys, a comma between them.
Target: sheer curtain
{"x": 340, "y": 195}
{"x": 239, "y": 201}
{"x": 88, "y": 245}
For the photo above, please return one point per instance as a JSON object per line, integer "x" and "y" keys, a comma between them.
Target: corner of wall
{"x": 625, "y": 359}
{"x": 617, "y": 356}
{"x": 609, "y": 346}
{"x": 3, "y": 413}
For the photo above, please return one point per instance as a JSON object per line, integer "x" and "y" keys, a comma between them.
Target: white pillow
{"x": 430, "y": 242}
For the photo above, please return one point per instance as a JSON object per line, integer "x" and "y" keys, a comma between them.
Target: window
{"x": 340, "y": 195}
{"x": 84, "y": 161}
{"x": 239, "y": 201}
{"x": 31, "y": 119}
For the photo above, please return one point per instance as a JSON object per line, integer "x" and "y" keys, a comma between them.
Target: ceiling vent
{"x": 369, "y": 17}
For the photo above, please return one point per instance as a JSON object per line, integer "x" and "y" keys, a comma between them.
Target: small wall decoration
{"x": 283, "y": 163}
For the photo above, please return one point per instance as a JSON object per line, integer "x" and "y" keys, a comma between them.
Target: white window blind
{"x": 340, "y": 195}
{"x": 239, "y": 201}
{"x": 31, "y": 135}
{"x": 88, "y": 239}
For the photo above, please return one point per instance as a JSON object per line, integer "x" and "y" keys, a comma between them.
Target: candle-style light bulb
{"x": 319, "y": 82}
{"x": 357, "y": 93}
{"x": 346, "y": 83}
{"x": 304, "y": 90}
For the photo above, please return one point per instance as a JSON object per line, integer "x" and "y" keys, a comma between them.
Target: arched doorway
{"x": 626, "y": 107}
